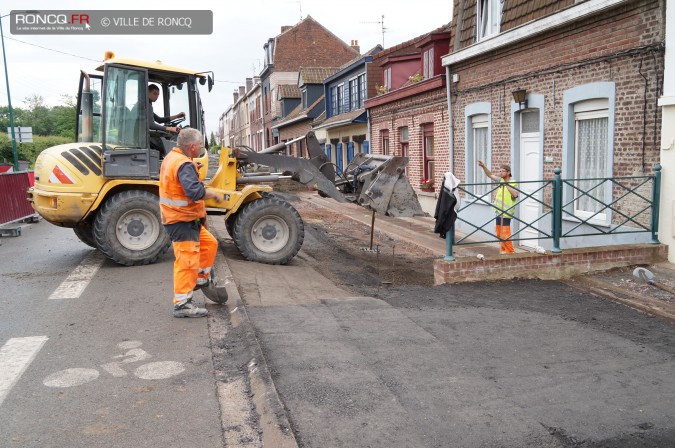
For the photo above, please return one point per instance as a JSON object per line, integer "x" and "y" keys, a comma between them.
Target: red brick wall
{"x": 549, "y": 266}
{"x": 429, "y": 107}
{"x": 619, "y": 46}
{"x": 293, "y": 131}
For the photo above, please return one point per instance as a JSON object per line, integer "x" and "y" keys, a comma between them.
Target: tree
{"x": 38, "y": 115}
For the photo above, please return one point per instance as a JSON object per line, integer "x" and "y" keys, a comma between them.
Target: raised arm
{"x": 487, "y": 172}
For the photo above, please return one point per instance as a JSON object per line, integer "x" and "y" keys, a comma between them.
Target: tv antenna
{"x": 381, "y": 23}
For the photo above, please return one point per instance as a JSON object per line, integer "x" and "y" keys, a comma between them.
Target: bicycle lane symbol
{"x": 149, "y": 371}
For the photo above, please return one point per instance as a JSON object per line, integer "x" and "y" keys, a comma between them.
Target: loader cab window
{"x": 124, "y": 114}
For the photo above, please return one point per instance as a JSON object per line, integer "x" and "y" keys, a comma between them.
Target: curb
{"x": 274, "y": 425}
{"x": 631, "y": 299}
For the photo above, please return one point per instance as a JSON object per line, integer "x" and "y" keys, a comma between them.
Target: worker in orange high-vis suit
{"x": 181, "y": 201}
{"x": 504, "y": 205}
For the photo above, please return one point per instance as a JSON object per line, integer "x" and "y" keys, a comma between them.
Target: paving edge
{"x": 275, "y": 427}
{"x": 631, "y": 299}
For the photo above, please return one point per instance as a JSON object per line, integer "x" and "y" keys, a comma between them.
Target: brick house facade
{"x": 592, "y": 72}
{"x": 410, "y": 117}
{"x": 306, "y": 44}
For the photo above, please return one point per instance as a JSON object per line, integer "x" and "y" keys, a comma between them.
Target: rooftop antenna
{"x": 381, "y": 23}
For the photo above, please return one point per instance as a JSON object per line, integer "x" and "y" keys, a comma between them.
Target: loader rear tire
{"x": 268, "y": 230}
{"x": 128, "y": 228}
{"x": 229, "y": 224}
{"x": 85, "y": 232}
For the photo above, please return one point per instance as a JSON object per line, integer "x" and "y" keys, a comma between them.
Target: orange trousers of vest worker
{"x": 504, "y": 233}
{"x": 194, "y": 259}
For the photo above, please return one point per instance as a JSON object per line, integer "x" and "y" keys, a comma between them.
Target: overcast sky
{"x": 234, "y": 50}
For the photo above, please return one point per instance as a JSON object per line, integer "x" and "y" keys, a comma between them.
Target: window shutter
{"x": 366, "y": 147}
{"x": 346, "y": 98}
{"x": 350, "y": 151}
{"x": 338, "y": 157}
{"x": 328, "y": 152}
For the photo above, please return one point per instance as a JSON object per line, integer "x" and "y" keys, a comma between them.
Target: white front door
{"x": 529, "y": 210}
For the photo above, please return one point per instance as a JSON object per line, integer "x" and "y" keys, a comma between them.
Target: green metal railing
{"x": 549, "y": 195}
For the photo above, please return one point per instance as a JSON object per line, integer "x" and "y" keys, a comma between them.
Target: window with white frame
{"x": 428, "y": 62}
{"x": 386, "y": 79}
{"x": 429, "y": 151}
{"x": 384, "y": 139}
{"x": 354, "y": 93}
{"x": 362, "y": 90}
{"x": 489, "y": 16}
{"x": 334, "y": 101}
{"x": 403, "y": 138}
{"x": 591, "y": 154}
{"x": 479, "y": 132}
{"x": 339, "y": 106}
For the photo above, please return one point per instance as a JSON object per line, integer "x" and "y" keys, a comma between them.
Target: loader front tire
{"x": 85, "y": 233}
{"x": 128, "y": 228}
{"x": 268, "y": 230}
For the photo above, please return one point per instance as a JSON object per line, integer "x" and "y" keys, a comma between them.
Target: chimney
{"x": 249, "y": 84}
{"x": 242, "y": 91}
{"x": 256, "y": 80}
{"x": 355, "y": 46}
{"x": 236, "y": 96}
{"x": 285, "y": 28}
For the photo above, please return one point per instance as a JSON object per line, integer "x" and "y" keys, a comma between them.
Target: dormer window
{"x": 489, "y": 15}
{"x": 428, "y": 63}
{"x": 304, "y": 98}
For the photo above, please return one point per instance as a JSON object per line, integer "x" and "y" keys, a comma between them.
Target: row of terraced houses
{"x": 593, "y": 77}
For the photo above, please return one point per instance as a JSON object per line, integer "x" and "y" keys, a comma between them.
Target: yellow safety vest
{"x": 504, "y": 204}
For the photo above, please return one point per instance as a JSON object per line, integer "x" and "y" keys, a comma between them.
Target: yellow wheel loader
{"x": 105, "y": 186}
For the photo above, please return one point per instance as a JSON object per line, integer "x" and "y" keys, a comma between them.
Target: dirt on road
{"x": 343, "y": 252}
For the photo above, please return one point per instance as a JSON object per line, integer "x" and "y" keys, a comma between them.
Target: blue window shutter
{"x": 366, "y": 147}
{"x": 338, "y": 157}
{"x": 328, "y": 152}
{"x": 350, "y": 151}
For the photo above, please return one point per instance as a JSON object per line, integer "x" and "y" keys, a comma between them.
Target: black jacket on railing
{"x": 445, "y": 213}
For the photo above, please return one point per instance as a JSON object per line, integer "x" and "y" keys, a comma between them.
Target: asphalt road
{"x": 111, "y": 367}
{"x": 510, "y": 364}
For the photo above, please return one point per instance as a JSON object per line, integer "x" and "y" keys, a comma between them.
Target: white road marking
{"x": 15, "y": 356}
{"x": 77, "y": 281}
{"x": 159, "y": 370}
{"x": 70, "y": 377}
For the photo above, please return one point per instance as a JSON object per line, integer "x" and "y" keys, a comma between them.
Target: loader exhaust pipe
{"x": 87, "y": 109}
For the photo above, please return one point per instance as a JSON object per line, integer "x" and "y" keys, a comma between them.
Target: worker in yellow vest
{"x": 181, "y": 202}
{"x": 504, "y": 205}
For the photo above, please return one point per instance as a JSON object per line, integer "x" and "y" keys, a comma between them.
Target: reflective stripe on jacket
{"x": 504, "y": 204}
{"x": 174, "y": 204}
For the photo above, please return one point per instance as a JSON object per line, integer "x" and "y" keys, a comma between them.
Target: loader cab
{"x": 118, "y": 117}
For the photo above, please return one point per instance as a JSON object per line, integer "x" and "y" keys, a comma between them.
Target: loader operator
{"x": 154, "y": 119}
{"x": 181, "y": 201}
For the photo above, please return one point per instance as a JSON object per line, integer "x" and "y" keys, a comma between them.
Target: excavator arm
{"x": 376, "y": 182}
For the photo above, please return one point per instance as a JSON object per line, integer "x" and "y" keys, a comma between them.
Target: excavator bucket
{"x": 378, "y": 182}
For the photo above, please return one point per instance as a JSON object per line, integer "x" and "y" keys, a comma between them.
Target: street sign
{"x": 23, "y": 134}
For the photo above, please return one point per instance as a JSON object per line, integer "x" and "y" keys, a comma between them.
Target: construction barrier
{"x": 13, "y": 203}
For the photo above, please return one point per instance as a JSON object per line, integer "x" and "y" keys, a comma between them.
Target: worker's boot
{"x": 188, "y": 309}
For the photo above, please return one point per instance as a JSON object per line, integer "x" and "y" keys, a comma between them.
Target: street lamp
{"x": 9, "y": 99}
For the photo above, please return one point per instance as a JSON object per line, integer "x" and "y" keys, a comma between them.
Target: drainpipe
{"x": 451, "y": 128}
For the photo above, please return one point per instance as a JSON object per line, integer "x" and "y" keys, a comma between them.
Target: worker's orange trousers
{"x": 504, "y": 233}
{"x": 194, "y": 259}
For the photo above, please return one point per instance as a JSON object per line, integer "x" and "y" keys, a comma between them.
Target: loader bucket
{"x": 380, "y": 184}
